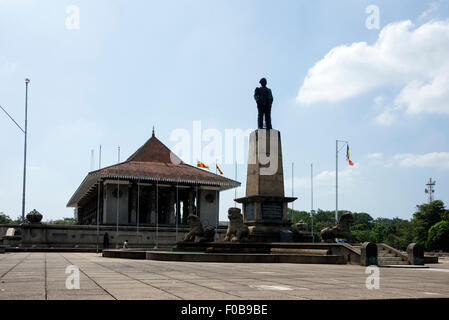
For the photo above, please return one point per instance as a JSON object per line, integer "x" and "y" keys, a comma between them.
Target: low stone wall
{"x": 85, "y": 236}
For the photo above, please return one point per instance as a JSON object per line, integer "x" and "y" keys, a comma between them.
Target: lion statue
{"x": 237, "y": 231}
{"x": 196, "y": 228}
{"x": 341, "y": 230}
{"x": 204, "y": 234}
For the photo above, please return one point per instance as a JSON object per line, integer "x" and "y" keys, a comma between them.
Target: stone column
{"x": 171, "y": 206}
{"x": 191, "y": 201}
{"x": 152, "y": 205}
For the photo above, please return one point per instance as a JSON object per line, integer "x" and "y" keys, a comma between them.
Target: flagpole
{"x": 118, "y": 197}
{"x": 293, "y": 177}
{"x": 218, "y": 209}
{"x": 235, "y": 190}
{"x": 98, "y": 200}
{"x": 336, "y": 176}
{"x": 311, "y": 199}
{"x": 157, "y": 214}
{"x": 336, "y": 181}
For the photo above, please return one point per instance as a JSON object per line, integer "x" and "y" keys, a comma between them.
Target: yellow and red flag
{"x": 347, "y": 156}
{"x": 221, "y": 172}
{"x": 201, "y": 165}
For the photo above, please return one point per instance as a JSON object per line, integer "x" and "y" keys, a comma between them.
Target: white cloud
{"x": 428, "y": 160}
{"x": 422, "y": 97}
{"x": 434, "y": 9}
{"x": 375, "y": 156}
{"x": 412, "y": 59}
{"x": 325, "y": 180}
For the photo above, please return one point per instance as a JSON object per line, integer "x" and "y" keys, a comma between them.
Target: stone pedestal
{"x": 265, "y": 207}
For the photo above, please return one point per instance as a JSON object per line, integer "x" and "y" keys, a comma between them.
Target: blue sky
{"x": 135, "y": 64}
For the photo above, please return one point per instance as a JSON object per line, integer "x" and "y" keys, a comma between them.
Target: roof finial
{"x": 153, "y": 132}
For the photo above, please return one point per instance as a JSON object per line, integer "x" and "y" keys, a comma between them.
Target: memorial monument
{"x": 265, "y": 206}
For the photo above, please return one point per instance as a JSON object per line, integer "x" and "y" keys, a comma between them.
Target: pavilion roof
{"x": 152, "y": 162}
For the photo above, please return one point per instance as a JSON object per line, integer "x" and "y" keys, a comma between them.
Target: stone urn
{"x": 34, "y": 216}
{"x": 301, "y": 226}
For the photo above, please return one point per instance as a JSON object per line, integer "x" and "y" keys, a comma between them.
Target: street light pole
{"x": 27, "y": 81}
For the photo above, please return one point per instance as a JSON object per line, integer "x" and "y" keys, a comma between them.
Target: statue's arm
{"x": 256, "y": 95}
{"x": 270, "y": 97}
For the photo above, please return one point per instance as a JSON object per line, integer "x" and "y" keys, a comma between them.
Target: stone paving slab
{"x": 42, "y": 275}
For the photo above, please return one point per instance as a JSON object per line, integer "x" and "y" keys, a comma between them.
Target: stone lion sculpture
{"x": 196, "y": 228}
{"x": 237, "y": 231}
{"x": 341, "y": 230}
{"x": 204, "y": 234}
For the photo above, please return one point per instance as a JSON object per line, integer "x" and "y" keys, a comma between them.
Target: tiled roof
{"x": 153, "y": 162}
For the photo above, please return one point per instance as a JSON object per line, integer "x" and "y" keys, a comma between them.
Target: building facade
{"x": 152, "y": 187}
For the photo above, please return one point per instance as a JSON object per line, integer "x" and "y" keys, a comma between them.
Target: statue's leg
{"x": 260, "y": 117}
{"x": 268, "y": 117}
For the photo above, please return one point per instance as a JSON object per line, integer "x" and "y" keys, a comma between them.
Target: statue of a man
{"x": 264, "y": 100}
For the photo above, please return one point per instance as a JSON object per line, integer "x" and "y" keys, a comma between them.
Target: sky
{"x": 373, "y": 73}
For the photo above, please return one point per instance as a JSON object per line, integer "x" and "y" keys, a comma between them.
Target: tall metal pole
{"x": 336, "y": 177}
{"x": 235, "y": 190}
{"x": 336, "y": 181}
{"x": 157, "y": 215}
{"x": 118, "y": 198}
{"x": 217, "y": 236}
{"x": 293, "y": 177}
{"x": 98, "y": 201}
{"x": 138, "y": 210}
{"x": 98, "y": 213}
{"x": 27, "y": 81}
{"x": 311, "y": 199}
{"x": 177, "y": 211}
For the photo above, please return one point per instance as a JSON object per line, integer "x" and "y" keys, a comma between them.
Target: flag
{"x": 201, "y": 165}
{"x": 347, "y": 156}
{"x": 221, "y": 172}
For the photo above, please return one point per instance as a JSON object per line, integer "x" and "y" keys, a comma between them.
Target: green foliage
{"x": 395, "y": 232}
{"x": 438, "y": 238}
{"x": 445, "y": 216}
{"x": 425, "y": 217}
{"x": 63, "y": 221}
{"x": 5, "y": 219}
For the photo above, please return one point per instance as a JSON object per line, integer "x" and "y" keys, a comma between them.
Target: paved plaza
{"x": 43, "y": 276}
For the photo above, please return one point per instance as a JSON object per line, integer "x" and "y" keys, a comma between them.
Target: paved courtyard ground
{"x": 42, "y": 276}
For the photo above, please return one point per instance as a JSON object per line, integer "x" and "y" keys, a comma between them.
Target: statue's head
{"x": 193, "y": 219}
{"x": 234, "y": 214}
{"x": 263, "y": 82}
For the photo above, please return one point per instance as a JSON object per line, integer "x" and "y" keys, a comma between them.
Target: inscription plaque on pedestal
{"x": 249, "y": 211}
{"x": 272, "y": 211}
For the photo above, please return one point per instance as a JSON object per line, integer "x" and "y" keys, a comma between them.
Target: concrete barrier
{"x": 415, "y": 253}
{"x": 368, "y": 254}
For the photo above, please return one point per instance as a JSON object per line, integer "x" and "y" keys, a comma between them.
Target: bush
{"x": 438, "y": 238}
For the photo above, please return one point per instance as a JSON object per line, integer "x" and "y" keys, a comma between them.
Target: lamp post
{"x": 27, "y": 81}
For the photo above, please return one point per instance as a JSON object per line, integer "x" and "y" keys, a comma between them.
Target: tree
{"x": 4, "y": 219}
{"x": 438, "y": 238}
{"x": 427, "y": 215}
{"x": 63, "y": 221}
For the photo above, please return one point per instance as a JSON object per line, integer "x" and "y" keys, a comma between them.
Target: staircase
{"x": 389, "y": 256}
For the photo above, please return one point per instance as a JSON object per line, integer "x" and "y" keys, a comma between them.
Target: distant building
{"x": 146, "y": 183}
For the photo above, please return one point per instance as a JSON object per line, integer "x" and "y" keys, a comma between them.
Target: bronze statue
{"x": 264, "y": 100}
